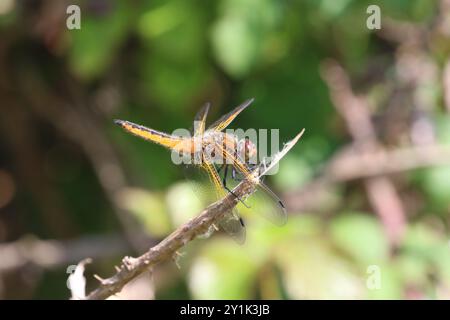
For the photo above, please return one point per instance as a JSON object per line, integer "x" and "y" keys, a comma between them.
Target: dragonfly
{"x": 216, "y": 152}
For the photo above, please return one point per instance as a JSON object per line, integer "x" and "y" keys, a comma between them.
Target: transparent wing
{"x": 200, "y": 120}
{"x": 267, "y": 204}
{"x": 199, "y": 182}
{"x": 263, "y": 201}
{"x": 231, "y": 223}
{"x": 270, "y": 204}
{"x": 226, "y": 119}
{"x": 208, "y": 186}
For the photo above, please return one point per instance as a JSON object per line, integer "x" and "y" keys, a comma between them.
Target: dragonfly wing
{"x": 230, "y": 157}
{"x": 264, "y": 199}
{"x": 275, "y": 213}
{"x": 158, "y": 137}
{"x": 231, "y": 223}
{"x": 200, "y": 120}
{"x": 202, "y": 176}
{"x": 199, "y": 181}
{"x": 267, "y": 204}
{"x": 271, "y": 206}
{"x": 226, "y": 119}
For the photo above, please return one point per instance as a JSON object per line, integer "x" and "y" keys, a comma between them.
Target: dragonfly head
{"x": 247, "y": 149}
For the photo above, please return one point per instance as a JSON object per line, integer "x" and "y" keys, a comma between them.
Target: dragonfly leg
{"x": 241, "y": 221}
{"x": 264, "y": 166}
{"x": 262, "y": 178}
{"x": 220, "y": 168}
{"x": 236, "y": 178}
{"x": 252, "y": 168}
{"x": 234, "y": 175}
{"x": 224, "y": 182}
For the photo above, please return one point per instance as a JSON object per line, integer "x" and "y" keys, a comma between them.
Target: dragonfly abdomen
{"x": 164, "y": 139}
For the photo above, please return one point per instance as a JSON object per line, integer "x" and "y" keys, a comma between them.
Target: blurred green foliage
{"x": 164, "y": 59}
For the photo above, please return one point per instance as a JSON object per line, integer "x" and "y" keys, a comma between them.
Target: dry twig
{"x": 355, "y": 111}
{"x": 166, "y": 249}
{"x": 49, "y": 254}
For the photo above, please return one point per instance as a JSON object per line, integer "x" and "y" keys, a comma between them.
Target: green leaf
{"x": 391, "y": 286}
{"x": 235, "y": 45}
{"x": 172, "y": 63}
{"x": 182, "y": 202}
{"x": 222, "y": 270}
{"x": 423, "y": 242}
{"x": 242, "y": 34}
{"x": 311, "y": 270}
{"x": 361, "y": 236}
{"x": 149, "y": 208}
{"x": 293, "y": 173}
{"x": 412, "y": 269}
{"x": 436, "y": 184}
{"x": 93, "y": 47}
{"x": 333, "y": 8}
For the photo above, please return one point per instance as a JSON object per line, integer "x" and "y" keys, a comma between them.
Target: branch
{"x": 351, "y": 164}
{"x": 355, "y": 111}
{"x": 48, "y": 254}
{"x": 166, "y": 249}
{"x": 446, "y": 85}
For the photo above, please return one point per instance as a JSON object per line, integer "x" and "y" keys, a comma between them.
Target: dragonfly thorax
{"x": 218, "y": 147}
{"x": 224, "y": 148}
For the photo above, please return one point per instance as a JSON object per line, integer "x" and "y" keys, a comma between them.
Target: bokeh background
{"x": 367, "y": 187}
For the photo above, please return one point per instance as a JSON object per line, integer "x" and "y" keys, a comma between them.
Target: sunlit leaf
{"x": 310, "y": 270}
{"x": 222, "y": 270}
{"x": 391, "y": 286}
{"x": 240, "y": 35}
{"x": 436, "y": 182}
{"x": 149, "y": 208}
{"x": 92, "y": 47}
{"x": 361, "y": 236}
{"x": 182, "y": 203}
